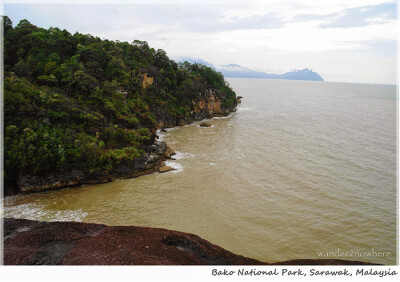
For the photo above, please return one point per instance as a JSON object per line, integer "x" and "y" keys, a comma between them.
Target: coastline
{"x": 151, "y": 162}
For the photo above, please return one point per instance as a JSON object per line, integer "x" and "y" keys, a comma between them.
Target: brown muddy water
{"x": 301, "y": 170}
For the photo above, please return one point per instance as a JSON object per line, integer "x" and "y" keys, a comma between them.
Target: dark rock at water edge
{"x": 165, "y": 168}
{"x": 146, "y": 164}
{"x": 205, "y": 124}
{"x": 207, "y": 105}
{"x": 169, "y": 153}
{"x": 28, "y": 242}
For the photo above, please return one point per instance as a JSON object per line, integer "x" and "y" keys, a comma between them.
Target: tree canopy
{"x": 75, "y": 101}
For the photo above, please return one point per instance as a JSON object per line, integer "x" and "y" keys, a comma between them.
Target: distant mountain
{"x": 194, "y": 61}
{"x": 236, "y": 71}
{"x": 233, "y": 70}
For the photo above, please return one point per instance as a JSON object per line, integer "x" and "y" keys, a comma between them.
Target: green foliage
{"x": 77, "y": 101}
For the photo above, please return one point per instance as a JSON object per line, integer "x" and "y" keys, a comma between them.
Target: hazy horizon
{"x": 343, "y": 41}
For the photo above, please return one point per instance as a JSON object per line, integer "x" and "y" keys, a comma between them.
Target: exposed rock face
{"x": 147, "y": 81}
{"x": 210, "y": 105}
{"x": 29, "y": 242}
{"x": 207, "y": 105}
{"x": 146, "y": 164}
{"x": 164, "y": 120}
{"x": 238, "y": 99}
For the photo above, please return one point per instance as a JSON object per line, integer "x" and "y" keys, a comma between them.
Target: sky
{"x": 342, "y": 40}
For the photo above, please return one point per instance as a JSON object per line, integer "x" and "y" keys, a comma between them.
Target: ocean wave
{"x": 172, "y": 128}
{"x": 34, "y": 211}
{"x": 161, "y": 135}
{"x": 171, "y": 141}
{"x": 181, "y": 155}
{"x": 175, "y": 165}
{"x": 228, "y": 116}
{"x": 244, "y": 109}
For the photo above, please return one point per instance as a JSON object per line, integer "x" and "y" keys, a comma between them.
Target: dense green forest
{"x": 79, "y": 102}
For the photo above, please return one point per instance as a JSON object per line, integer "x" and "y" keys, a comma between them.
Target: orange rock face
{"x": 209, "y": 104}
{"x": 147, "y": 81}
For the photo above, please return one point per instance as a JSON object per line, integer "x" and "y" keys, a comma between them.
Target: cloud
{"x": 269, "y": 35}
{"x": 201, "y": 18}
{"x": 361, "y": 16}
{"x": 386, "y": 48}
{"x": 215, "y": 24}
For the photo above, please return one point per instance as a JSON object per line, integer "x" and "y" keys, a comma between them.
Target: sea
{"x": 302, "y": 170}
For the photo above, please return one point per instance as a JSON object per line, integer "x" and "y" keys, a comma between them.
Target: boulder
{"x": 205, "y": 124}
{"x": 165, "y": 169}
{"x": 169, "y": 153}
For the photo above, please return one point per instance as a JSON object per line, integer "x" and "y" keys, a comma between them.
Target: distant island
{"x": 237, "y": 71}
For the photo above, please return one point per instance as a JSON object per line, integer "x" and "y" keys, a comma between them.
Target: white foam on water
{"x": 244, "y": 109}
{"x": 173, "y": 141}
{"x": 175, "y": 165}
{"x": 34, "y": 211}
{"x": 228, "y": 116}
{"x": 161, "y": 135}
{"x": 181, "y": 155}
{"x": 172, "y": 128}
{"x": 178, "y": 156}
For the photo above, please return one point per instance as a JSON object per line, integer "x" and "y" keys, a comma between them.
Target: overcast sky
{"x": 342, "y": 40}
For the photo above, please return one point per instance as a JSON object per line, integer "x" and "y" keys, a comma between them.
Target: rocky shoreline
{"x": 152, "y": 161}
{"x": 28, "y": 242}
{"x": 207, "y": 106}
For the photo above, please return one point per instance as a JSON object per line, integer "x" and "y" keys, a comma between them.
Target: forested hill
{"x": 78, "y": 102}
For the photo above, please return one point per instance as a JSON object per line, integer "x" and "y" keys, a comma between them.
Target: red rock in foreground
{"x": 30, "y": 242}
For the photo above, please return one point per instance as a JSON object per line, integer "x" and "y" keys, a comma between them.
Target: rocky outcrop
{"x": 205, "y": 124}
{"x": 209, "y": 104}
{"x": 164, "y": 119}
{"x": 165, "y": 168}
{"x": 147, "y": 80}
{"x": 239, "y": 99}
{"x": 29, "y": 242}
{"x": 169, "y": 153}
{"x": 150, "y": 162}
{"x": 206, "y": 105}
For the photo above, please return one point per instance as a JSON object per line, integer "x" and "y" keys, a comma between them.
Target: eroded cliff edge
{"x": 29, "y": 242}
